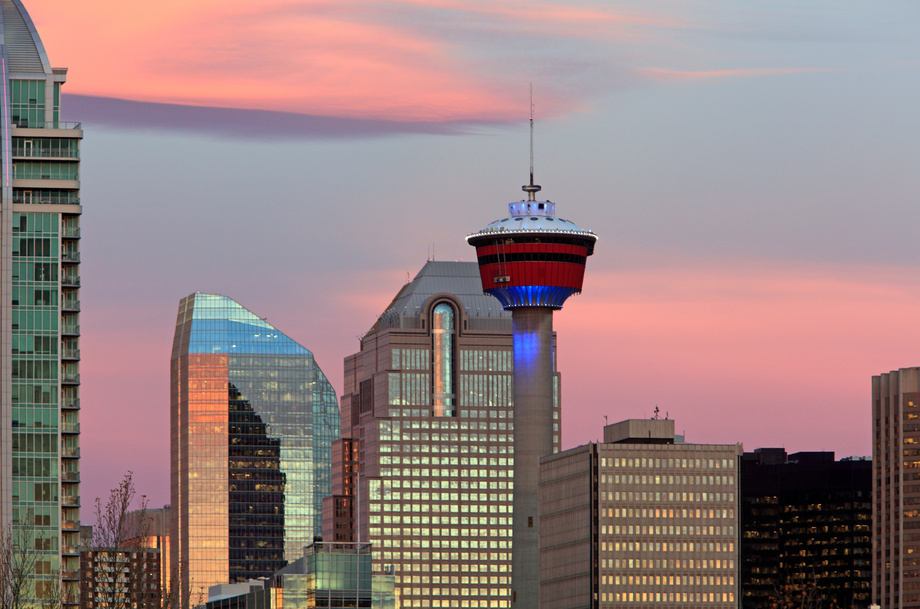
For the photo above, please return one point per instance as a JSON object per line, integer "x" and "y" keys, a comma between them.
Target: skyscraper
{"x": 531, "y": 262}
{"x": 640, "y": 521}
{"x": 896, "y": 489}
{"x": 253, "y": 419}
{"x": 39, "y": 314}
{"x": 805, "y": 523}
{"x": 428, "y": 402}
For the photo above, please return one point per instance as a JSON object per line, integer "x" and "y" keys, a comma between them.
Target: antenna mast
{"x": 531, "y": 189}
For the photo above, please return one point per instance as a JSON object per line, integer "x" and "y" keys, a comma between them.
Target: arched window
{"x": 442, "y": 333}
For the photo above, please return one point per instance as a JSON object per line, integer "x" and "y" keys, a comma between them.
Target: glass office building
{"x": 39, "y": 315}
{"x": 428, "y": 406}
{"x": 253, "y": 420}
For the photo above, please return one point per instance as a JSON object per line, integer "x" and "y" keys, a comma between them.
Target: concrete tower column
{"x": 533, "y": 438}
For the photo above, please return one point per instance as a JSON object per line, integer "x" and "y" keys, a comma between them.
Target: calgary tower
{"x": 531, "y": 262}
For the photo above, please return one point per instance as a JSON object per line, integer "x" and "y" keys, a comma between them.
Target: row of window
{"x": 463, "y": 544}
{"x": 661, "y": 496}
{"x": 422, "y": 460}
{"x": 441, "y": 508}
{"x": 668, "y": 580}
{"x": 446, "y": 448}
{"x": 388, "y": 472}
{"x": 669, "y": 597}
{"x": 662, "y": 563}
{"x": 493, "y": 521}
{"x": 386, "y": 485}
{"x": 668, "y": 480}
{"x": 427, "y": 601}
{"x": 658, "y": 463}
{"x": 466, "y": 534}
{"x": 666, "y": 513}
{"x": 395, "y": 435}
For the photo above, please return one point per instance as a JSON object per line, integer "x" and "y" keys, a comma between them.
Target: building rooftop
{"x": 24, "y": 47}
{"x": 460, "y": 279}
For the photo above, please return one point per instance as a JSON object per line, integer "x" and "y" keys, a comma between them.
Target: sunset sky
{"x": 750, "y": 167}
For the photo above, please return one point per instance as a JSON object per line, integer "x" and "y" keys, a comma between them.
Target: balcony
{"x": 71, "y": 378}
{"x": 70, "y": 280}
{"x": 70, "y": 257}
{"x": 70, "y": 451}
{"x": 71, "y": 500}
{"x": 70, "y": 305}
{"x": 69, "y": 575}
{"x": 70, "y": 549}
{"x": 70, "y": 477}
{"x": 71, "y": 232}
{"x": 70, "y": 428}
{"x": 70, "y": 403}
{"x": 70, "y": 353}
{"x": 70, "y": 329}
{"x": 21, "y": 199}
{"x": 22, "y": 123}
{"x": 30, "y": 151}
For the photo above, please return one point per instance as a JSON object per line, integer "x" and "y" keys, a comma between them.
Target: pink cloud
{"x": 355, "y": 59}
{"x": 768, "y": 356}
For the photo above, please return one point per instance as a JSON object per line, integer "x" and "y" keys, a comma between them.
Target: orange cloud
{"x": 409, "y": 60}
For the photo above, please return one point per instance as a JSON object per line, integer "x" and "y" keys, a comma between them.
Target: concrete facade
{"x": 896, "y": 489}
{"x": 634, "y": 524}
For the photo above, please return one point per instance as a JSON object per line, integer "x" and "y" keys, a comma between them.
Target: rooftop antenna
{"x": 531, "y": 189}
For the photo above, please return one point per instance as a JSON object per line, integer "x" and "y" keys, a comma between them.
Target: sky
{"x": 750, "y": 169}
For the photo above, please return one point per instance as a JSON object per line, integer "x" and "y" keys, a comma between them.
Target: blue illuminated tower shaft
{"x": 533, "y": 438}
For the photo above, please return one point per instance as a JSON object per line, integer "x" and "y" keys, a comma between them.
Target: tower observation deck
{"x": 531, "y": 262}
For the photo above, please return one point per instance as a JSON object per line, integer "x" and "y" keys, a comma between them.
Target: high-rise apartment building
{"x": 805, "y": 527}
{"x": 253, "y": 420}
{"x": 39, "y": 315}
{"x": 896, "y": 489}
{"x": 428, "y": 402}
{"x": 640, "y": 521}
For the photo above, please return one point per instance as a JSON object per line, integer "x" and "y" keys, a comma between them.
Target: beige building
{"x": 642, "y": 520}
{"x": 428, "y": 404}
{"x": 896, "y": 489}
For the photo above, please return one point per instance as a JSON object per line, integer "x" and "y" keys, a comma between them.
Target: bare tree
{"x": 21, "y": 559}
{"x": 116, "y": 526}
{"x": 120, "y": 538}
{"x": 123, "y": 532}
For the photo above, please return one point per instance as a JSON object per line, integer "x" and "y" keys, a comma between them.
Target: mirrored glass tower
{"x": 39, "y": 317}
{"x": 253, "y": 420}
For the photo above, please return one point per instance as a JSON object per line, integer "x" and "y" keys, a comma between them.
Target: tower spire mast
{"x": 531, "y": 189}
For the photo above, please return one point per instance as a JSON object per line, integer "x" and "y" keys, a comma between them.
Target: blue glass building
{"x": 252, "y": 423}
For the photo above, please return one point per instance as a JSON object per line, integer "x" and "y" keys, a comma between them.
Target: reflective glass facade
{"x": 806, "y": 523}
{"x": 428, "y": 400}
{"x": 253, "y": 421}
{"x": 39, "y": 314}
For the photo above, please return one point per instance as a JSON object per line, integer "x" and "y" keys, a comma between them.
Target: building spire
{"x": 531, "y": 189}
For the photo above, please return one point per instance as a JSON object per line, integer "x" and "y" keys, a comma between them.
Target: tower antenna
{"x": 531, "y": 189}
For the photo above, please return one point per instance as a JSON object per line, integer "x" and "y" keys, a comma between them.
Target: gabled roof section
{"x": 221, "y": 325}
{"x": 458, "y": 278}
{"x": 24, "y": 49}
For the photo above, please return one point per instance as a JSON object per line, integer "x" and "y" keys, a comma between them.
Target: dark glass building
{"x": 253, "y": 421}
{"x": 805, "y": 522}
